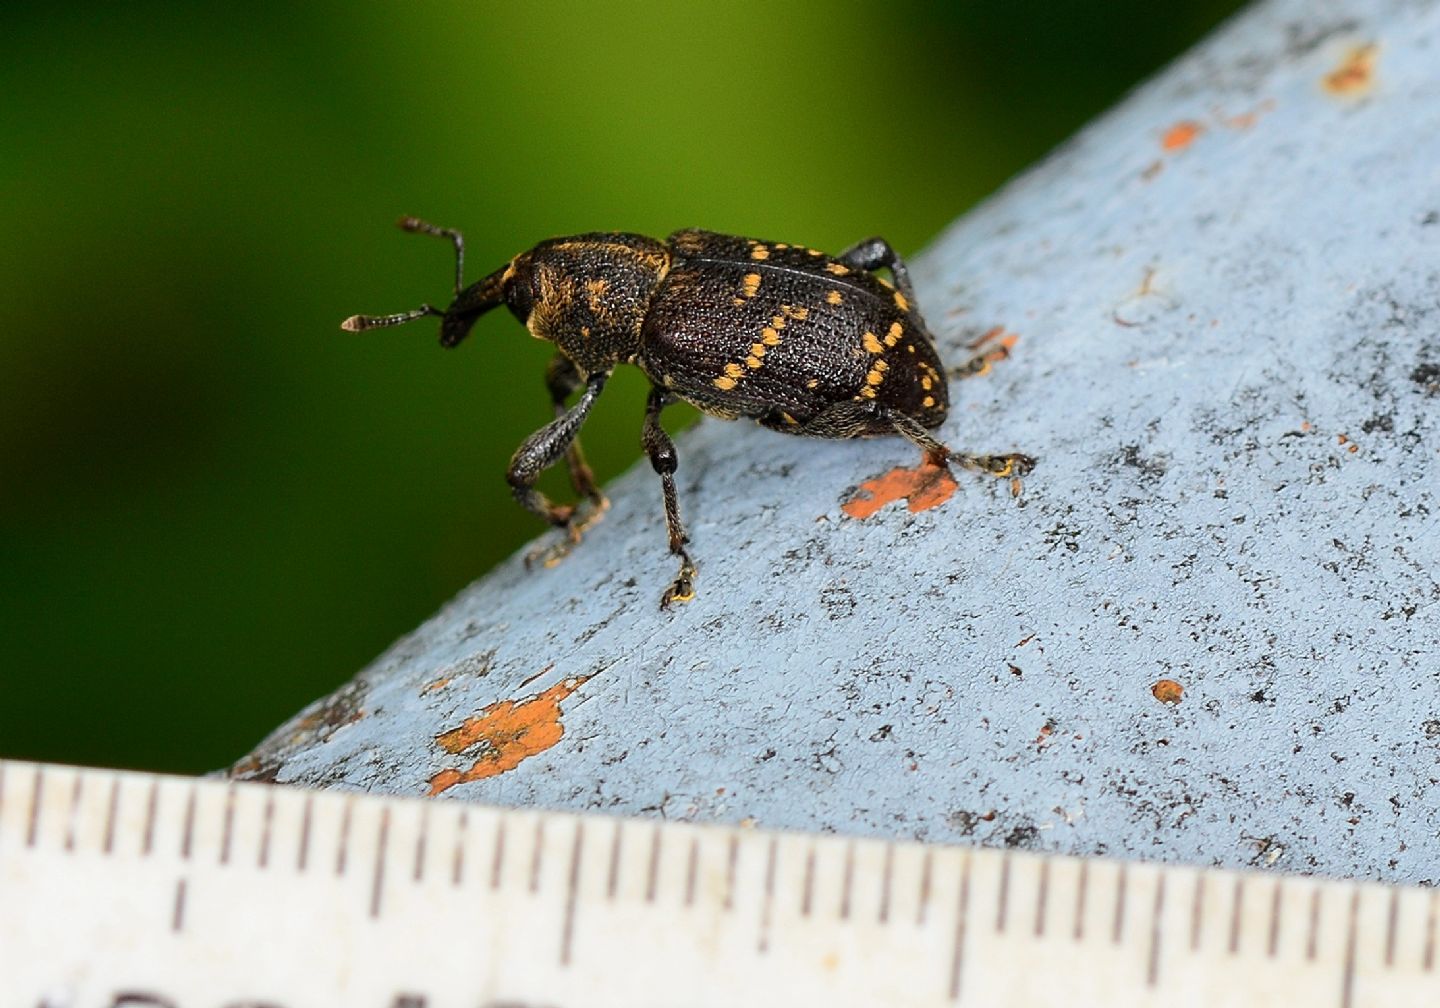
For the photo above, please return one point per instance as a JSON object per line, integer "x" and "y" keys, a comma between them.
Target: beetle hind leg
{"x": 1012, "y": 466}
{"x": 991, "y": 348}
{"x": 663, "y": 459}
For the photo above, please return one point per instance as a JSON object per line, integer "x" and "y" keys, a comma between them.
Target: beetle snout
{"x": 456, "y": 325}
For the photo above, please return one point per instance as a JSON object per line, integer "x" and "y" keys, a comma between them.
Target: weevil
{"x": 799, "y": 341}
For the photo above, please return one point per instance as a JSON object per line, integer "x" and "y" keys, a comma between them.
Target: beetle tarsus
{"x": 682, "y": 589}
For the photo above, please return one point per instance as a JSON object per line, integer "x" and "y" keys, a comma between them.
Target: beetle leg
{"x": 989, "y": 349}
{"x": 538, "y": 453}
{"x": 562, "y": 378}
{"x": 856, "y": 418}
{"x": 876, "y": 253}
{"x": 1011, "y": 466}
{"x": 662, "y": 457}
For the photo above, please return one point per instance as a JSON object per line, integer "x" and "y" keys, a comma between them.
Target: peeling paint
{"x": 1168, "y": 691}
{"x": 923, "y": 487}
{"x": 1180, "y": 136}
{"x": 1356, "y": 73}
{"x": 510, "y": 731}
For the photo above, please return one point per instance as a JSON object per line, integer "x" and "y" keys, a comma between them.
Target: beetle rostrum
{"x": 794, "y": 339}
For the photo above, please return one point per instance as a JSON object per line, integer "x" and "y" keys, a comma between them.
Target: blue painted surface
{"x": 1205, "y": 334}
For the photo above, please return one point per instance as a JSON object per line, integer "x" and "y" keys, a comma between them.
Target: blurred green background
{"x": 214, "y": 506}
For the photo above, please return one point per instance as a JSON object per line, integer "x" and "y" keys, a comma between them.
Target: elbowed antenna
{"x": 468, "y": 306}
{"x": 359, "y": 323}
{"x": 417, "y": 226}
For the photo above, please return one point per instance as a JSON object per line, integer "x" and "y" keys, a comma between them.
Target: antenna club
{"x": 355, "y": 323}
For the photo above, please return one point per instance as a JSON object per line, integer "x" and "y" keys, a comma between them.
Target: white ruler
{"x": 126, "y": 889}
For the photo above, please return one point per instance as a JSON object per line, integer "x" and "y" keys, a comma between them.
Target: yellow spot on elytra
{"x": 752, "y": 362}
{"x": 813, "y": 383}
{"x": 928, "y": 401}
{"x": 868, "y": 392}
{"x": 814, "y": 252}
{"x": 758, "y": 349}
{"x": 834, "y": 297}
{"x": 668, "y": 381}
{"x": 893, "y": 336}
{"x": 778, "y": 321}
{"x": 725, "y": 383}
{"x": 734, "y": 370}
{"x": 781, "y": 245}
{"x": 759, "y": 252}
{"x": 926, "y": 383}
{"x": 788, "y": 418}
{"x": 872, "y": 343}
{"x": 751, "y": 284}
{"x": 900, "y": 302}
{"x": 875, "y": 377}
{"x": 910, "y": 347}
{"x": 798, "y": 314}
{"x": 585, "y": 331}
{"x": 770, "y": 337}
{"x": 839, "y": 269}
{"x": 738, "y": 301}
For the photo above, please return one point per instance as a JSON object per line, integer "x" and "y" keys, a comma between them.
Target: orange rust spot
{"x": 1247, "y": 120}
{"x": 1167, "y": 691}
{"x": 923, "y": 487}
{"x": 511, "y": 731}
{"x": 1181, "y": 135}
{"x": 1355, "y": 74}
{"x": 1305, "y": 427}
{"x": 438, "y": 684}
{"x": 1341, "y": 438}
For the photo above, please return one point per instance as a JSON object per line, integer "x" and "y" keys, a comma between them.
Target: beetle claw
{"x": 682, "y": 589}
{"x": 573, "y": 520}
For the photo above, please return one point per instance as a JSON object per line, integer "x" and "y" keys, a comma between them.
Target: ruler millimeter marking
{"x": 117, "y": 885}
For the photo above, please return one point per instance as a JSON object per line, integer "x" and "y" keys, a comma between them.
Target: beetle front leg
{"x": 1010, "y": 466}
{"x": 876, "y": 253}
{"x": 538, "y": 453}
{"x": 562, "y": 378}
{"x": 664, "y": 460}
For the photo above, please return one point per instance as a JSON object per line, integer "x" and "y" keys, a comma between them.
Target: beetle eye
{"x": 522, "y": 288}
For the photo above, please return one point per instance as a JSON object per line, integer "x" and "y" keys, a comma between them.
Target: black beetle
{"x": 799, "y": 341}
